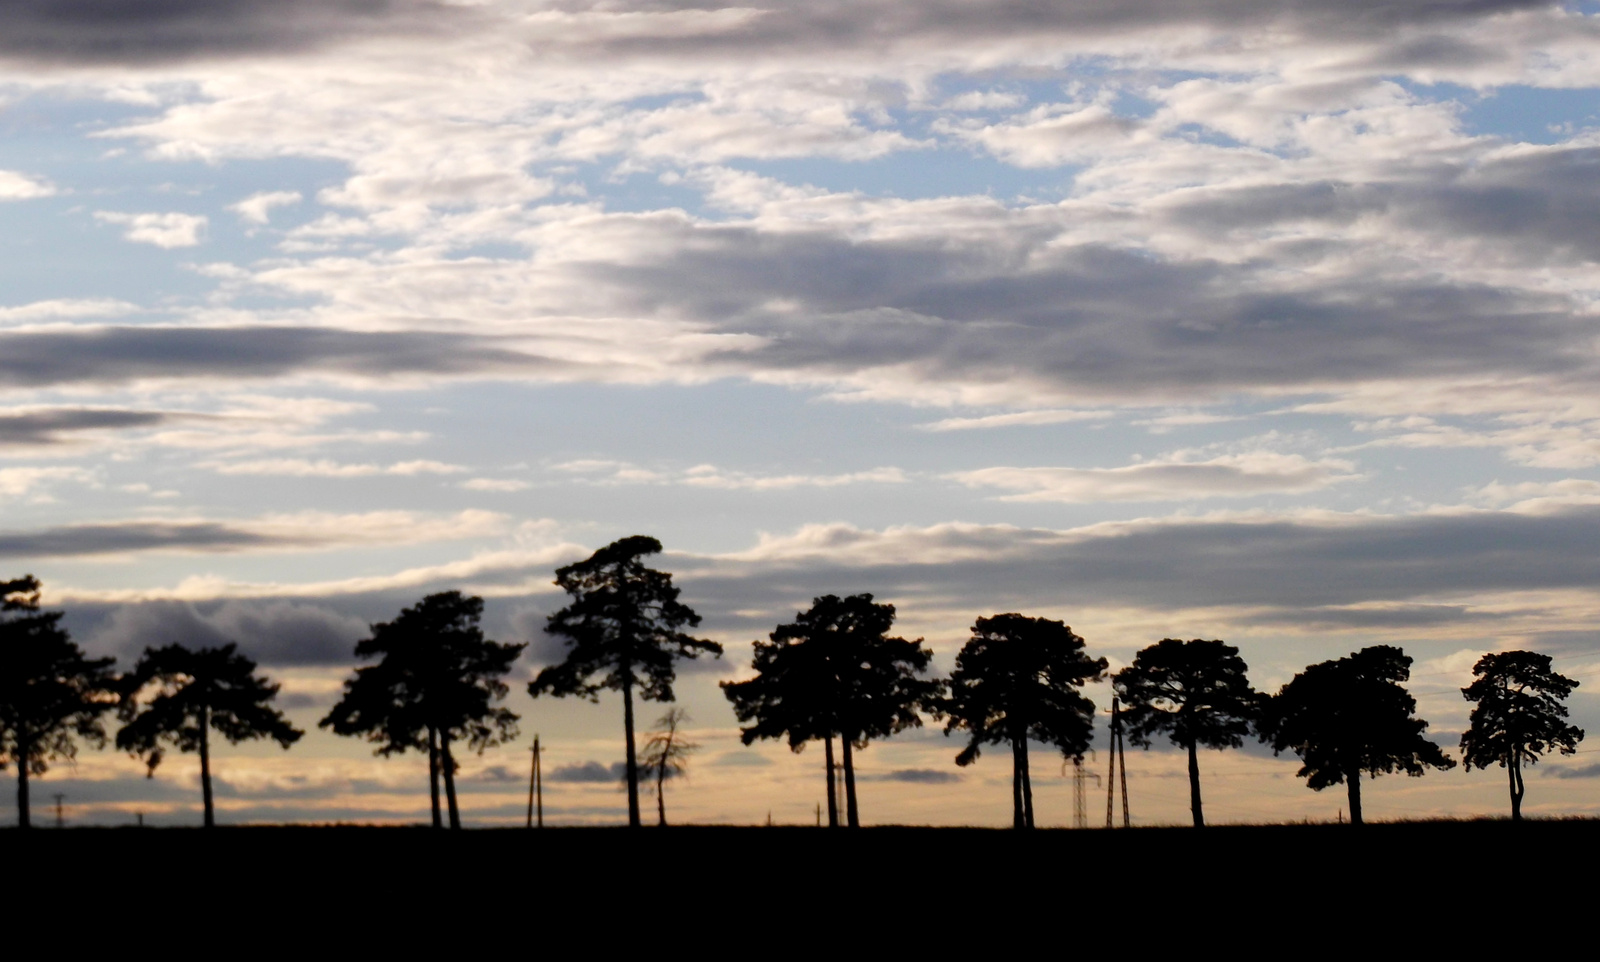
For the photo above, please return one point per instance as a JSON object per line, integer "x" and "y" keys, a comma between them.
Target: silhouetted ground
{"x": 1392, "y": 877}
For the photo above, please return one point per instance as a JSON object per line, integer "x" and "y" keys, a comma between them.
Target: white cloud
{"x": 163, "y": 230}
{"x": 1015, "y": 418}
{"x": 257, "y": 208}
{"x": 1241, "y": 475}
{"x": 19, "y": 186}
{"x": 712, "y": 476}
{"x": 22, "y": 482}
{"x": 65, "y": 309}
{"x": 495, "y": 484}
{"x": 301, "y": 468}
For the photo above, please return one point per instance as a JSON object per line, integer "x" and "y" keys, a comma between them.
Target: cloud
{"x": 274, "y": 633}
{"x": 257, "y": 208}
{"x": 119, "y": 355}
{"x": 590, "y": 772}
{"x": 301, "y": 468}
{"x": 64, "y": 309}
{"x": 711, "y": 476}
{"x": 133, "y": 32}
{"x": 18, "y": 186}
{"x": 307, "y": 531}
{"x": 1173, "y": 480}
{"x": 48, "y": 426}
{"x": 915, "y": 776}
{"x": 495, "y": 484}
{"x": 1586, "y": 771}
{"x": 21, "y": 482}
{"x": 162, "y": 230}
{"x": 1014, "y": 419}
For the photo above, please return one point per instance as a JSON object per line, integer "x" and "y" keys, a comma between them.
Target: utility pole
{"x": 60, "y": 823}
{"x": 1117, "y": 755}
{"x": 535, "y": 788}
{"x": 1080, "y": 805}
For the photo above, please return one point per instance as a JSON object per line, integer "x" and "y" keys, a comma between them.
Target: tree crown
{"x": 835, "y": 671}
{"x": 1195, "y": 692}
{"x": 173, "y": 692}
{"x": 1518, "y": 714}
{"x": 1350, "y": 715}
{"x": 1018, "y": 677}
{"x": 623, "y": 627}
{"x": 51, "y": 695}
{"x": 436, "y": 670}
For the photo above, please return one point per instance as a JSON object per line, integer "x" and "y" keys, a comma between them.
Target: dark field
{"x": 1219, "y": 870}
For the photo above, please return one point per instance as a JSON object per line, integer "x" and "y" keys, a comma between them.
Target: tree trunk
{"x": 205, "y": 763}
{"x": 433, "y": 775}
{"x": 1194, "y": 788}
{"x": 24, "y": 757}
{"x": 447, "y": 763}
{"x": 1027, "y": 785}
{"x": 1514, "y": 769}
{"x": 661, "y": 785}
{"x": 1353, "y": 782}
{"x": 633, "y": 759}
{"x": 833, "y": 790}
{"x": 852, "y": 816}
{"x": 1018, "y": 820}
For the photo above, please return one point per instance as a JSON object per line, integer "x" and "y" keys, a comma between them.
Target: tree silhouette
{"x": 435, "y": 683}
{"x": 176, "y": 695}
{"x": 1348, "y": 716}
{"x": 623, "y": 630}
{"x": 666, "y": 755}
{"x": 1018, "y": 678}
{"x": 50, "y": 694}
{"x": 833, "y": 671}
{"x": 1518, "y": 716}
{"x": 1195, "y": 693}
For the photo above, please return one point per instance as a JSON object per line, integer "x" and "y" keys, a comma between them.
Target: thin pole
{"x": 533, "y": 778}
{"x": 1111, "y": 780}
{"x": 1123, "y": 774}
{"x": 59, "y": 822}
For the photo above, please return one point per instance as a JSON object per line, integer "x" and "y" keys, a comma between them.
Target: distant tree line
{"x": 432, "y": 682}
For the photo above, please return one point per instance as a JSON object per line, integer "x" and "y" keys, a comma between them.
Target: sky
{"x": 1272, "y": 321}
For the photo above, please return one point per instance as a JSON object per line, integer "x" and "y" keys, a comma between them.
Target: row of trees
{"x": 434, "y": 682}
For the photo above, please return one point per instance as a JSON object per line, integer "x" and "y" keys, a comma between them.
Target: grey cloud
{"x": 121, "y": 536}
{"x": 135, "y": 32}
{"x": 276, "y": 632}
{"x": 1298, "y": 568}
{"x": 1387, "y": 616}
{"x": 1091, "y": 321}
{"x": 52, "y": 425}
{"x": 1587, "y": 771}
{"x": 916, "y": 776}
{"x": 590, "y": 772}
{"x": 741, "y": 760}
{"x": 112, "y": 355}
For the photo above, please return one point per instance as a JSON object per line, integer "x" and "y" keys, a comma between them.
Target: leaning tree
{"x": 834, "y": 671}
{"x": 176, "y": 696}
{"x": 435, "y": 683}
{"x": 1518, "y": 716}
{"x": 50, "y": 694}
{"x": 623, "y": 630}
{"x": 666, "y": 755}
{"x": 1018, "y": 678}
{"x": 1349, "y": 716}
{"x": 1195, "y": 693}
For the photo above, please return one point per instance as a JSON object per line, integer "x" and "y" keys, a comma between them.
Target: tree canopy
{"x": 1018, "y": 678}
{"x": 176, "y": 696}
{"x": 834, "y": 671}
{"x": 1350, "y": 716}
{"x": 1518, "y": 715}
{"x": 1194, "y": 692}
{"x": 51, "y": 695}
{"x": 437, "y": 681}
{"x": 623, "y": 631}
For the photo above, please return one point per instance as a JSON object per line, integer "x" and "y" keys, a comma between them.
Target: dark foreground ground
{"x": 1328, "y": 883}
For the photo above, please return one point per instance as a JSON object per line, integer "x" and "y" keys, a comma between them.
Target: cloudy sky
{"x": 1266, "y": 320}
